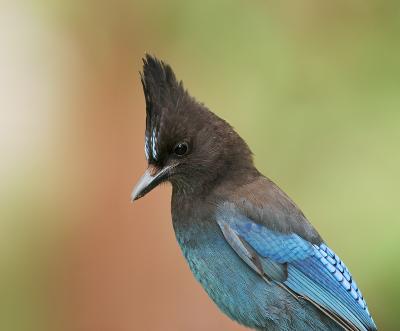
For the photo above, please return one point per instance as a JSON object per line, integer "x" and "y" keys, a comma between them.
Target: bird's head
{"x": 185, "y": 143}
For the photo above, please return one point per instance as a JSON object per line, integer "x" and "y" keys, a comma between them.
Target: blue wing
{"x": 313, "y": 271}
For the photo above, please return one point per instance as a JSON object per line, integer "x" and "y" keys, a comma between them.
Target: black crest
{"x": 162, "y": 93}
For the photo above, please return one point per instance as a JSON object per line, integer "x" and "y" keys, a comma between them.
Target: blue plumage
{"x": 239, "y": 291}
{"x": 313, "y": 271}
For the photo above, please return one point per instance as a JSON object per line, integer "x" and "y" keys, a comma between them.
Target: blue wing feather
{"x": 281, "y": 248}
{"x": 314, "y": 271}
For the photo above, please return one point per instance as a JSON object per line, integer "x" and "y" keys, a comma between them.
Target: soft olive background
{"x": 313, "y": 86}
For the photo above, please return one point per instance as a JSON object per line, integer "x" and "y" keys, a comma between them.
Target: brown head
{"x": 185, "y": 143}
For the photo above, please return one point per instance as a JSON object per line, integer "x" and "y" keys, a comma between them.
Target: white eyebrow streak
{"x": 153, "y": 144}
{"x": 146, "y": 147}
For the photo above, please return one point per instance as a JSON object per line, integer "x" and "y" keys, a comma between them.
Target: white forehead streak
{"x": 146, "y": 147}
{"x": 153, "y": 144}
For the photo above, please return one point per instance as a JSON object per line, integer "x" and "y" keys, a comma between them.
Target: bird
{"x": 246, "y": 242}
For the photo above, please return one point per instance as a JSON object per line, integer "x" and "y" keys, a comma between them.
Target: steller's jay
{"x": 247, "y": 243}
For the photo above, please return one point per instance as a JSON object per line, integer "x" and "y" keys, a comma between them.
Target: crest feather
{"x": 162, "y": 91}
{"x": 160, "y": 86}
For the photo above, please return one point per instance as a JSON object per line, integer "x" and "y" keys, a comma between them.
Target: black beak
{"x": 150, "y": 179}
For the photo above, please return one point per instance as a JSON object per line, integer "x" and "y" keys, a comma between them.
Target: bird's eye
{"x": 181, "y": 149}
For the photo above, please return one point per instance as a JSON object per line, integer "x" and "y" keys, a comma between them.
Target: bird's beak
{"x": 150, "y": 179}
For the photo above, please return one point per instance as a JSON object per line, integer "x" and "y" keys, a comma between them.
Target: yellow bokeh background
{"x": 313, "y": 87}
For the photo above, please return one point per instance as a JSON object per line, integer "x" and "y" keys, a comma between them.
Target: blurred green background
{"x": 313, "y": 87}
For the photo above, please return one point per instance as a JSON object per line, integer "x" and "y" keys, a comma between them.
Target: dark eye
{"x": 181, "y": 149}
